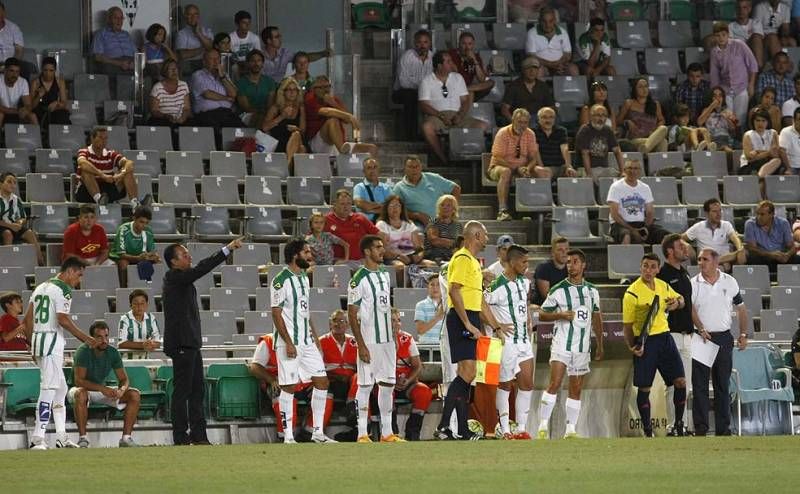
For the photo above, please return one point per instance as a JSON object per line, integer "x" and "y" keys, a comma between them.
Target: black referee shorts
{"x": 461, "y": 347}
{"x": 660, "y": 353}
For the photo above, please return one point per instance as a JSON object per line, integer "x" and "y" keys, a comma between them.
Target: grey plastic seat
{"x": 350, "y": 165}
{"x": 312, "y": 165}
{"x": 146, "y": 162}
{"x": 176, "y": 189}
{"x": 407, "y": 323}
{"x": 219, "y": 190}
{"x": 270, "y": 164}
{"x": 783, "y": 189}
{"x": 573, "y": 224}
{"x": 751, "y": 297}
{"x": 754, "y": 276}
{"x": 664, "y": 189}
{"x": 695, "y": 54}
{"x": 100, "y": 278}
{"x": 484, "y": 111}
{"x": 509, "y": 36}
{"x": 82, "y": 113}
{"x": 197, "y": 139}
{"x": 164, "y": 223}
{"x": 126, "y": 88}
{"x": 575, "y": 192}
{"x": 477, "y": 29}
{"x": 570, "y": 89}
{"x": 69, "y": 137}
{"x": 407, "y": 298}
{"x": 710, "y": 163}
{"x": 70, "y": 61}
{"x": 262, "y": 190}
{"x": 660, "y": 88}
{"x": 240, "y": 276}
{"x": 118, "y": 137}
{"x": 218, "y": 322}
{"x": 257, "y": 322}
{"x": 603, "y": 185}
{"x": 25, "y": 136}
{"x": 44, "y": 187}
{"x": 43, "y": 273}
{"x": 185, "y": 163}
{"x": 788, "y": 275}
{"x": 12, "y": 279}
{"x": 228, "y": 298}
{"x": 114, "y": 109}
{"x": 696, "y": 190}
{"x": 784, "y": 297}
{"x": 347, "y": 183}
{"x": 263, "y": 295}
{"x": 778, "y": 324}
{"x": 495, "y": 95}
{"x": 156, "y": 282}
{"x": 741, "y": 190}
{"x": 109, "y": 216}
{"x": 305, "y": 191}
{"x": 91, "y": 87}
{"x": 265, "y": 223}
{"x": 324, "y": 277}
{"x": 673, "y": 219}
{"x": 229, "y": 163}
{"x": 633, "y": 34}
{"x": 628, "y": 155}
{"x": 624, "y": 261}
{"x": 230, "y": 134}
{"x": 90, "y": 302}
{"x": 466, "y": 143}
{"x": 212, "y": 222}
{"x": 252, "y": 253}
{"x": 123, "y": 299}
{"x": 324, "y": 299}
{"x": 662, "y": 61}
{"x": 16, "y": 161}
{"x": 52, "y": 219}
{"x": 20, "y": 255}
{"x": 533, "y": 194}
{"x": 155, "y": 138}
{"x": 54, "y": 161}
{"x": 618, "y": 86}
{"x": 567, "y": 114}
{"x": 675, "y": 34}
{"x": 320, "y": 319}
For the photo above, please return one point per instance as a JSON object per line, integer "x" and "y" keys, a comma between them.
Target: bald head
{"x": 475, "y": 236}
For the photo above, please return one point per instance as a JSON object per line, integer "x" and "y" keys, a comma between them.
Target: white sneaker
{"x": 128, "y": 443}
{"x": 83, "y": 442}
{"x": 289, "y": 440}
{"x": 321, "y": 438}
{"x": 42, "y": 446}
{"x": 66, "y": 443}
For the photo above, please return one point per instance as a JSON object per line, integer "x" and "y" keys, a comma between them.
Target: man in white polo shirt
{"x": 631, "y": 212}
{"x": 789, "y": 142}
{"x": 550, "y": 44}
{"x": 718, "y": 234}
{"x": 714, "y": 296}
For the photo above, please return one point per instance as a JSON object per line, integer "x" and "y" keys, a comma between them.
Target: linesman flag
{"x": 488, "y": 355}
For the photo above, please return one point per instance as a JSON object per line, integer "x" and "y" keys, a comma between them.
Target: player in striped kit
{"x": 45, "y": 321}
{"x": 369, "y": 310}
{"x": 138, "y": 329}
{"x": 574, "y": 306}
{"x": 507, "y": 297}
{"x": 296, "y": 341}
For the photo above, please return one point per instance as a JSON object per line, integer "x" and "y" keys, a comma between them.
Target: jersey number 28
{"x": 41, "y": 311}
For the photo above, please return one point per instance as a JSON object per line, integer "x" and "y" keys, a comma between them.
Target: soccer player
{"x": 45, "y": 321}
{"x": 138, "y": 329}
{"x": 409, "y": 367}
{"x": 573, "y": 305}
{"x": 507, "y": 297}
{"x": 296, "y": 342}
{"x": 659, "y": 352}
{"x": 369, "y": 312}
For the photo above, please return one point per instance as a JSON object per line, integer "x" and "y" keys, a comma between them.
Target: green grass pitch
{"x": 646, "y": 466}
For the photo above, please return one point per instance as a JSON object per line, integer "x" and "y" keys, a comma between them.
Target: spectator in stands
{"x": 419, "y": 191}
{"x": 134, "y": 243}
{"x": 340, "y": 353}
{"x": 278, "y": 58}
{"x": 503, "y": 243}
{"x": 222, "y": 43}
{"x": 414, "y": 65}
{"x": 13, "y": 220}
{"x": 789, "y": 142}
{"x": 553, "y": 145}
{"x": 350, "y": 227}
{"x": 404, "y": 242}
{"x": 552, "y": 271}
{"x": 642, "y": 118}
{"x": 49, "y": 95}
{"x": 445, "y": 103}
{"x": 681, "y": 137}
{"x": 514, "y": 154}
{"x": 214, "y": 94}
{"x": 156, "y": 49}
{"x": 138, "y": 328}
{"x": 105, "y": 175}
{"x": 777, "y": 77}
{"x": 527, "y": 92}
{"x": 254, "y": 90}
{"x": 286, "y": 120}
{"x": 429, "y": 314}
{"x": 760, "y": 150}
{"x": 170, "y": 104}
{"x": 407, "y": 373}
{"x": 370, "y": 194}
{"x": 747, "y": 29}
{"x": 595, "y": 48}
{"x": 598, "y": 95}
{"x": 550, "y": 44}
{"x": 11, "y": 40}
{"x": 86, "y": 239}
{"x": 775, "y": 16}
{"x": 112, "y": 48}
{"x": 717, "y": 234}
{"x": 469, "y": 64}
{"x": 301, "y": 74}
{"x": 767, "y": 103}
{"x": 768, "y": 238}
{"x": 734, "y": 68}
{"x": 719, "y": 120}
{"x": 12, "y": 330}
{"x": 594, "y": 141}
{"x": 90, "y": 368}
{"x": 694, "y": 91}
{"x": 15, "y": 99}
{"x": 322, "y": 242}
{"x": 193, "y": 40}
{"x": 790, "y": 105}
{"x": 243, "y": 41}
{"x": 326, "y": 117}
{"x": 631, "y": 212}
{"x": 441, "y": 233}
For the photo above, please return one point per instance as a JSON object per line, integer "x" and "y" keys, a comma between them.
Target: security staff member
{"x": 714, "y": 295}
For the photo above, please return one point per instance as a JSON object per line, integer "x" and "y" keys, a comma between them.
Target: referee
{"x": 465, "y": 277}
{"x": 659, "y": 351}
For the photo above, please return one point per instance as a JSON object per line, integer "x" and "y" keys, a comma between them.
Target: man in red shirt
{"x": 12, "y": 331}
{"x": 409, "y": 367}
{"x": 86, "y": 239}
{"x": 470, "y": 66}
{"x": 339, "y": 352}
{"x": 349, "y": 226}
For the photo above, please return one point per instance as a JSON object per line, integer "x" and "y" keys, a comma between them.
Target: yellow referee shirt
{"x": 465, "y": 269}
{"x": 637, "y": 300}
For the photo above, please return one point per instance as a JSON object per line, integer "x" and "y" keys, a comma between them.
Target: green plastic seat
{"x": 234, "y": 393}
{"x": 22, "y": 389}
{"x": 681, "y": 10}
{"x": 626, "y": 11}
{"x": 151, "y": 400}
{"x": 163, "y": 382}
{"x": 725, "y": 11}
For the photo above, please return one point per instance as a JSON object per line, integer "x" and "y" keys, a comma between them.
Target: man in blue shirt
{"x": 420, "y": 190}
{"x": 429, "y": 314}
{"x": 370, "y": 194}
{"x": 768, "y": 239}
{"x": 113, "y": 48}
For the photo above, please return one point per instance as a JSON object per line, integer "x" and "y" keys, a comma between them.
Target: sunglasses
{"x": 444, "y": 90}
{"x": 519, "y": 150}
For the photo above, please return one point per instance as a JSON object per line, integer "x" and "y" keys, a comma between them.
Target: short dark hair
{"x": 682, "y": 110}
{"x": 796, "y": 112}
{"x": 253, "y": 53}
{"x": 138, "y": 293}
{"x": 96, "y": 130}
{"x": 50, "y": 61}
{"x": 465, "y": 34}
{"x": 422, "y": 32}
{"x": 169, "y": 253}
{"x": 779, "y": 54}
{"x": 669, "y": 242}
{"x": 597, "y": 21}
{"x": 7, "y": 298}
{"x": 219, "y": 37}
{"x": 385, "y": 208}
{"x": 5, "y": 175}
{"x": 577, "y": 252}
{"x": 142, "y": 212}
{"x": 95, "y": 326}
{"x": 651, "y": 257}
{"x": 241, "y": 15}
{"x": 710, "y": 202}
{"x": 152, "y": 31}
{"x": 13, "y": 61}
{"x": 72, "y": 262}
{"x": 694, "y": 67}
{"x": 367, "y": 241}
{"x": 266, "y": 33}
{"x": 515, "y": 250}
{"x": 298, "y": 55}
{"x": 438, "y": 59}
{"x": 432, "y": 278}
{"x": 293, "y": 248}
{"x": 87, "y": 209}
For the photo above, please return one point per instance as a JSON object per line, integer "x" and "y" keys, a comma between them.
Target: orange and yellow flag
{"x": 488, "y": 354}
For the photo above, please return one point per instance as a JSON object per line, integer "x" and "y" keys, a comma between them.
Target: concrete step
{"x": 375, "y": 101}
{"x": 377, "y": 128}
{"x": 478, "y": 200}
{"x": 480, "y": 213}
{"x": 376, "y": 73}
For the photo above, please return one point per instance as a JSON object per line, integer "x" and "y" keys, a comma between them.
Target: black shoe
{"x": 679, "y": 429}
{"x": 471, "y": 436}
{"x": 443, "y": 434}
{"x": 147, "y": 200}
{"x": 303, "y": 436}
{"x": 413, "y": 426}
{"x": 202, "y": 442}
{"x": 649, "y": 433}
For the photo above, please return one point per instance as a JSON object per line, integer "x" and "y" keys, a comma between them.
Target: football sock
{"x": 679, "y": 400}
{"x": 522, "y": 406}
{"x": 318, "y": 399}
{"x": 546, "y": 409}
{"x": 43, "y": 412}
{"x": 573, "y": 411}
{"x": 421, "y": 397}
{"x": 643, "y": 403}
{"x": 126, "y": 437}
{"x": 60, "y": 412}
{"x": 501, "y": 401}
{"x": 362, "y": 405}
{"x": 460, "y": 389}
{"x": 287, "y": 412}
{"x": 385, "y": 399}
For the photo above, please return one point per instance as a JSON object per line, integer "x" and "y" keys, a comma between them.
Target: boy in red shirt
{"x": 12, "y": 331}
{"x": 86, "y": 239}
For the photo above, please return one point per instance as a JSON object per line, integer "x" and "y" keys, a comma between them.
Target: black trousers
{"x": 410, "y": 100}
{"x": 770, "y": 263}
{"x": 720, "y": 374}
{"x": 219, "y": 117}
{"x": 189, "y": 388}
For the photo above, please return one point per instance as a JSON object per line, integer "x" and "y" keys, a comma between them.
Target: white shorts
{"x": 96, "y": 397}
{"x": 513, "y": 355}
{"x": 577, "y": 362}
{"x": 307, "y": 364}
{"x": 382, "y": 366}
{"x": 52, "y": 373}
{"x": 319, "y": 146}
{"x": 449, "y": 369}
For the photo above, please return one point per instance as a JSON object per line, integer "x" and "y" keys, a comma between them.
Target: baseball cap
{"x": 530, "y": 62}
{"x": 504, "y": 240}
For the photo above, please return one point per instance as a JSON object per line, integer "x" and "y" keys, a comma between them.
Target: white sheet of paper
{"x": 703, "y": 351}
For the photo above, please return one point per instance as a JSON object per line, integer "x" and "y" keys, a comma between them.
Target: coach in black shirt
{"x": 182, "y": 340}
{"x": 676, "y": 252}
{"x": 550, "y": 272}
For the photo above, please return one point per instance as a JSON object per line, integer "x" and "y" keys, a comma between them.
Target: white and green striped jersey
{"x": 508, "y": 300}
{"x": 11, "y": 209}
{"x": 51, "y": 298}
{"x": 371, "y": 292}
{"x": 132, "y": 330}
{"x": 290, "y": 292}
{"x": 583, "y": 300}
